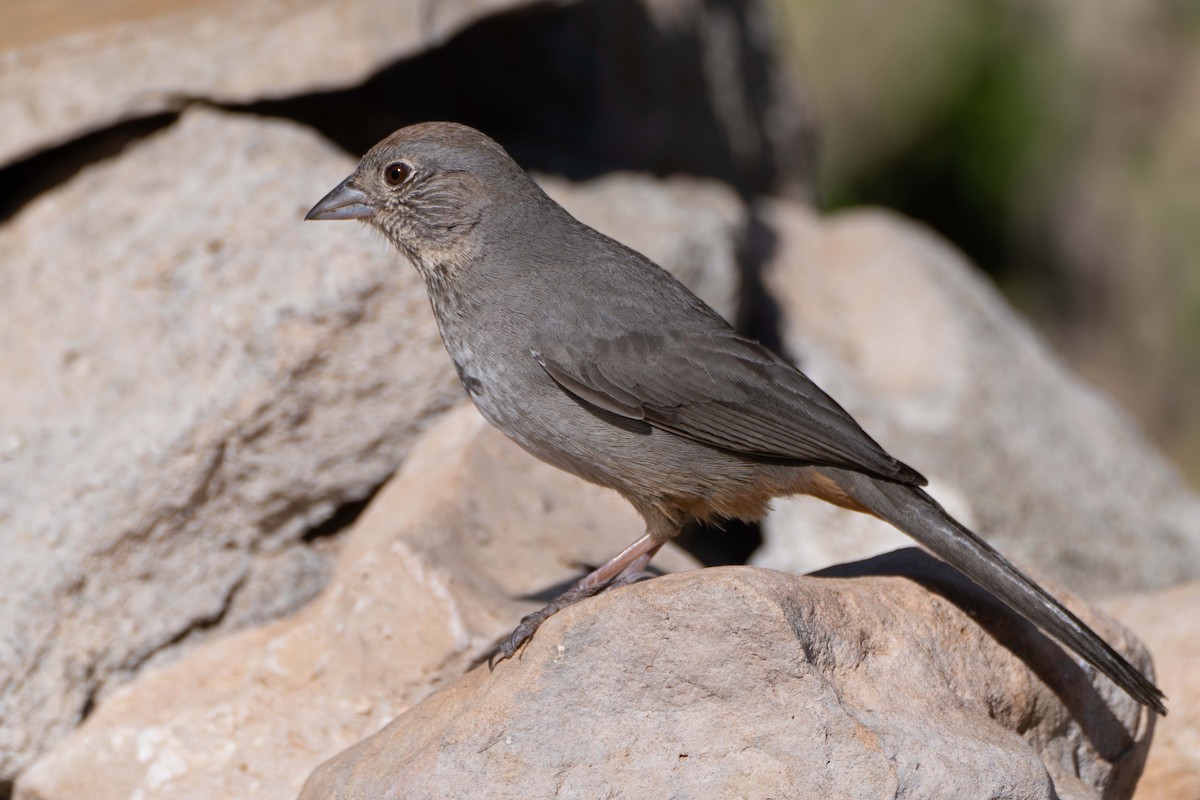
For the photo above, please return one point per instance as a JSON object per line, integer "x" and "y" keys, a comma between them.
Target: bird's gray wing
{"x": 722, "y": 389}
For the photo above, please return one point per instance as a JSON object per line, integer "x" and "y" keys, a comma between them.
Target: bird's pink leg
{"x": 628, "y": 566}
{"x": 636, "y": 571}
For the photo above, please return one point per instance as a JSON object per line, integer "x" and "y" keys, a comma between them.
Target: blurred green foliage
{"x": 1058, "y": 144}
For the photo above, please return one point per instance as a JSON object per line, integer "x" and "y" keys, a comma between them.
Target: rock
{"x": 895, "y": 325}
{"x": 431, "y": 574}
{"x": 743, "y": 682}
{"x": 1166, "y": 621}
{"x": 58, "y": 83}
{"x": 573, "y": 88}
{"x": 193, "y": 380}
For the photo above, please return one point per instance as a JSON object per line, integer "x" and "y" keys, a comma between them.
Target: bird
{"x": 596, "y": 360}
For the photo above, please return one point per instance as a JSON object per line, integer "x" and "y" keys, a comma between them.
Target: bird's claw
{"x": 513, "y": 642}
{"x": 531, "y": 622}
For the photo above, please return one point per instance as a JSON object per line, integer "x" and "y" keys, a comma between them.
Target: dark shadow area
{"x": 342, "y": 518}
{"x": 89, "y": 704}
{"x": 580, "y": 91}
{"x": 1045, "y": 657}
{"x": 26, "y": 179}
{"x": 6, "y": 790}
{"x": 731, "y": 542}
{"x": 758, "y": 315}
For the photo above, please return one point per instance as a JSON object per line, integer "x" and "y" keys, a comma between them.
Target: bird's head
{"x": 428, "y": 187}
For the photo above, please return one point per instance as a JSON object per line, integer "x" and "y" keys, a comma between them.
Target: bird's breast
{"x": 491, "y": 369}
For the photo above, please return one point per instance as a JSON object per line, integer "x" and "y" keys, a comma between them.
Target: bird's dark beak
{"x": 347, "y": 201}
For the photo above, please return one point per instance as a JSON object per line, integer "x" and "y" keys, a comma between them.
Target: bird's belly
{"x": 535, "y": 413}
{"x": 631, "y": 456}
{"x": 647, "y": 465}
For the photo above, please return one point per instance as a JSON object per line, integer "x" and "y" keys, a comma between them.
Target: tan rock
{"x": 1168, "y": 623}
{"x": 58, "y": 83}
{"x": 892, "y": 322}
{"x": 193, "y": 378}
{"x": 742, "y": 682}
{"x": 428, "y": 578}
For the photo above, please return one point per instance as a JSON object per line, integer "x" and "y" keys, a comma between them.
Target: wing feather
{"x": 722, "y": 389}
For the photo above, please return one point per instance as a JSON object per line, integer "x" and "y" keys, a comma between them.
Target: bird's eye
{"x": 397, "y": 173}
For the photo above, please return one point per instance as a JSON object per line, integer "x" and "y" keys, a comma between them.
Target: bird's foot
{"x": 531, "y": 622}
{"x": 626, "y": 567}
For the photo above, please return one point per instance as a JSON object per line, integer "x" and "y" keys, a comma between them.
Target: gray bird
{"x": 598, "y": 361}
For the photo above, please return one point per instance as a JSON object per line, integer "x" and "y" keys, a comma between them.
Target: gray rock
{"x": 742, "y": 682}
{"x": 54, "y": 89}
{"x": 193, "y": 379}
{"x": 916, "y": 344}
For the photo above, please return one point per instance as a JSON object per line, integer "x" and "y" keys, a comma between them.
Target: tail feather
{"x": 916, "y": 513}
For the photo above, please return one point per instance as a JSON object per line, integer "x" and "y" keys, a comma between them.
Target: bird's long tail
{"x": 916, "y": 513}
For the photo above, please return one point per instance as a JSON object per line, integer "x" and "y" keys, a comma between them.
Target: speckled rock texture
{"x": 896, "y": 679}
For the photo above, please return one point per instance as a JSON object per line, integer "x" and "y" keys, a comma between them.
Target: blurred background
{"x": 1057, "y": 144}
